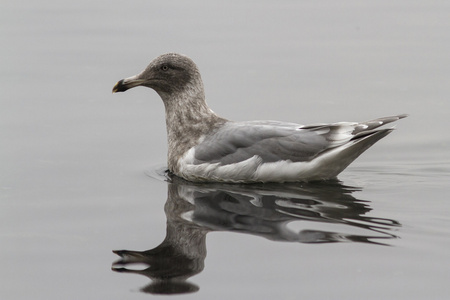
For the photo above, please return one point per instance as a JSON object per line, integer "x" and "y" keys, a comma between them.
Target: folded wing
{"x": 275, "y": 141}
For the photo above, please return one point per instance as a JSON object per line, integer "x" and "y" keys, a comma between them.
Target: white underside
{"x": 325, "y": 166}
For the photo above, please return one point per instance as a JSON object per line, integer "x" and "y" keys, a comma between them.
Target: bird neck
{"x": 188, "y": 118}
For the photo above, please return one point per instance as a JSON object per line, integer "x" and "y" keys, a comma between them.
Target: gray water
{"x": 81, "y": 169}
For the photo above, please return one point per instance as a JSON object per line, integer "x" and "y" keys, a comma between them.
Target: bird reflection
{"x": 321, "y": 212}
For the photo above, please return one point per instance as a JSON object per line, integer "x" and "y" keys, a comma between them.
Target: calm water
{"x": 81, "y": 168}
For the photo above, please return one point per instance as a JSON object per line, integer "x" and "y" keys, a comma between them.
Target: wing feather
{"x": 275, "y": 141}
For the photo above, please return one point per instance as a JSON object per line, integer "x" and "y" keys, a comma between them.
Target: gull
{"x": 203, "y": 147}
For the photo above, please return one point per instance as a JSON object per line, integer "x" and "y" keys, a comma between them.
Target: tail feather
{"x": 366, "y": 139}
{"x": 336, "y": 160}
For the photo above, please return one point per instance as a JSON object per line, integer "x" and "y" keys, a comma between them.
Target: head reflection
{"x": 321, "y": 212}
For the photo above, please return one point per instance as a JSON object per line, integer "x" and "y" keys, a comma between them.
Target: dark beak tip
{"x": 119, "y": 87}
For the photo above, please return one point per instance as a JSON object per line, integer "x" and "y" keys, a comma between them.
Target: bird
{"x": 204, "y": 147}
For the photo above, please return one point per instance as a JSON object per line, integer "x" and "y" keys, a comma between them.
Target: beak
{"x": 127, "y": 83}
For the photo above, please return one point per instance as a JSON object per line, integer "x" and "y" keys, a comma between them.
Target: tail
{"x": 364, "y": 140}
{"x": 366, "y": 134}
{"x": 335, "y": 160}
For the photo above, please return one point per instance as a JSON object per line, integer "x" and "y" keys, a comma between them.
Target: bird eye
{"x": 164, "y": 67}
